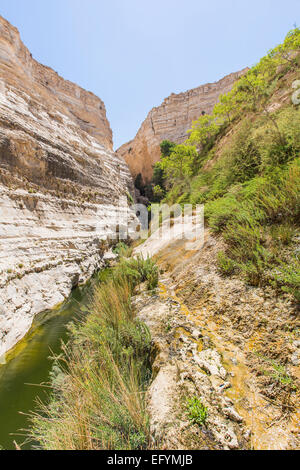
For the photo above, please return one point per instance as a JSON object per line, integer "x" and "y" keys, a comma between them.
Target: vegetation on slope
{"x": 243, "y": 163}
{"x": 98, "y": 385}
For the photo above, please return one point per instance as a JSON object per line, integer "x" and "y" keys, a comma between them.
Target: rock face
{"x": 44, "y": 86}
{"x": 60, "y": 187}
{"x": 171, "y": 121}
{"x": 184, "y": 367}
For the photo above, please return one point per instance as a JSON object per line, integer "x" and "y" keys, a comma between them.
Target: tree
{"x": 178, "y": 167}
{"x": 255, "y": 91}
{"x": 167, "y": 147}
{"x": 139, "y": 184}
{"x": 158, "y": 193}
{"x": 224, "y": 109}
{"x": 285, "y": 52}
{"x": 158, "y": 178}
{"x": 202, "y": 130}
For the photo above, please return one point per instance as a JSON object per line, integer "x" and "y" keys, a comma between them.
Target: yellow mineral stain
{"x": 258, "y": 414}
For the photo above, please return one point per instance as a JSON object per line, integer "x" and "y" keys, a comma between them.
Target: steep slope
{"x": 245, "y": 169}
{"x": 171, "y": 121}
{"x": 242, "y": 288}
{"x": 60, "y": 185}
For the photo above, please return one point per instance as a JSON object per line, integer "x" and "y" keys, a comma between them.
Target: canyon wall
{"x": 60, "y": 187}
{"x": 171, "y": 121}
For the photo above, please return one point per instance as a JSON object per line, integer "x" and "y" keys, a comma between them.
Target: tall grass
{"x": 98, "y": 387}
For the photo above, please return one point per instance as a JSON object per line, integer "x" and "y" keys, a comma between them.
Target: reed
{"x": 99, "y": 383}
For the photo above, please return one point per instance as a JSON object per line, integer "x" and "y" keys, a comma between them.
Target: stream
{"x": 28, "y": 365}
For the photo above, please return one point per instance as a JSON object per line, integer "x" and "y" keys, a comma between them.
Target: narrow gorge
{"x": 160, "y": 338}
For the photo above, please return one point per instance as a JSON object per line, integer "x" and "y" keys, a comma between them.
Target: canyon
{"x": 65, "y": 198}
{"x": 63, "y": 191}
{"x": 171, "y": 121}
{"x": 62, "y": 188}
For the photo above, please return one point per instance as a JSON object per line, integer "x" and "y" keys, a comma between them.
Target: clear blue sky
{"x": 134, "y": 53}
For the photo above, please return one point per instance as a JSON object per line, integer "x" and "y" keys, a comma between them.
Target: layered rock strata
{"x": 171, "y": 121}
{"x": 61, "y": 187}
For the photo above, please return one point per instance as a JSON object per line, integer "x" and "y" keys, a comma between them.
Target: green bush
{"x": 197, "y": 412}
{"x": 221, "y": 211}
{"x": 119, "y": 248}
{"x": 287, "y": 276}
{"x": 254, "y": 219}
{"x": 241, "y": 159}
{"x": 136, "y": 271}
{"x": 282, "y": 234}
{"x": 167, "y": 147}
{"x": 281, "y": 375}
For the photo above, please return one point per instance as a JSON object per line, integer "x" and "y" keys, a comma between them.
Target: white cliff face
{"x": 60, "y": 187}
{"x": 48, "y": 246}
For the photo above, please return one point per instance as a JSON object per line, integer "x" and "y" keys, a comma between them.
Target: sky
{"x": 135, "y": 53}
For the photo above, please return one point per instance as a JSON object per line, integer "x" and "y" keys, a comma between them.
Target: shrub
{"x": 122, "y": 250}
{"x": 241, "y": 160}
{"x": 158, "y": 179}
{"x": 167, "y": 147}
{"x": 287, "y": 276}
{"x": 280, "y": 374}
{"x": 244, "y": 241}
{"x": 197, "y": 412}
{"x": 254, "y": 272}
{"x": 225, "y": 264}
{"x": 158, "y": 193}
{"x": 152, "y": 280}
{"x": 137, "y": 270}
{"x": 282, "y": 234}
{"x": 255, "y": 218}
{"x": 220, "y": 212}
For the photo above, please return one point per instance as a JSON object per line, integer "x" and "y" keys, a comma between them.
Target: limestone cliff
{"x": 171, "y": 120}
{"x": 60, "y": 184}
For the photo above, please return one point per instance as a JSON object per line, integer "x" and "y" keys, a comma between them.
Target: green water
{"x": 29, "y": 363}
